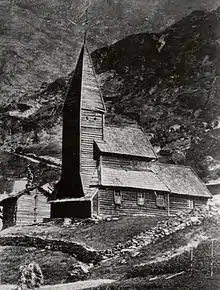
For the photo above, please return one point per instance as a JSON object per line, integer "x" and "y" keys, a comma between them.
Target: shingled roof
{"x": 91, "y": 97}
{"x": 180, "y": 179}
{"x": 126, "y": 141}
{"x": 131, "y": 179}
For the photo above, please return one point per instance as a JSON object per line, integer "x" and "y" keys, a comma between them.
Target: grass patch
{"x": 100, "y": 236}
{"x": 54, "y": 265}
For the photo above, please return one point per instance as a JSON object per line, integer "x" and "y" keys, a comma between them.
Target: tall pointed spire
{"x": 83, "y": 116}
{"x": 86, "y": 27}
{"x": 70, "y": 184}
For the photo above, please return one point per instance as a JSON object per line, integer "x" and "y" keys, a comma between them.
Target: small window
{"x": 160, "y": 200}
{"x": 117, "y": 197}
{"x": 191, "y": 203}
{"x": 140, "y": 198}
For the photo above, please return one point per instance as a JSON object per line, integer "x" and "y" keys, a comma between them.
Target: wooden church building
{"x": 108, "y": 170}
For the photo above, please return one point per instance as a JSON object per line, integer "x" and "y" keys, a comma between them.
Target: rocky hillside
{"x": 174, "y": 75}
{"x": 39, "y": 39}
{"x": 33, "y": 124}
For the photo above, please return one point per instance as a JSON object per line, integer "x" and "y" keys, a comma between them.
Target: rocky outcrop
{"x": 177, "y": 85}
{"x": 173, "y": 74}
{"x": 164, "y": 229}
{"x": 39, "y": 51}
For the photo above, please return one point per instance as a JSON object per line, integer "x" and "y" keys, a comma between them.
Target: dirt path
{"x": 80, "y": 285}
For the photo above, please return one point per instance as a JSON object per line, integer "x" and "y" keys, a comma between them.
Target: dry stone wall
{"x": 180, "y": 221}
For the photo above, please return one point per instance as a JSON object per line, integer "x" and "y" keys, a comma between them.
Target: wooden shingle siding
{"x": 181, "y": 180}
{"x": 133, "y": 179}
{"x": 90, "y": 93}
{"x": 129, "y": 204}
{"x": 126, "y": 140}
{"x": 115, "y": 162}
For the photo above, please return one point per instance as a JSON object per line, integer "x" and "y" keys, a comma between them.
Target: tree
{"x": 30, "y": 276}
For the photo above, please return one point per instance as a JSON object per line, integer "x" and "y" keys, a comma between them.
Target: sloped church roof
{"x": 126, "y": 141}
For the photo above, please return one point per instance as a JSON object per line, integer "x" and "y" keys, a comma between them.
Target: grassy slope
{"x": 100, "y": 236}
{"x": 183, "y": 282}
{"x": 105, "y": 235}
{"x": 55, "y": 265}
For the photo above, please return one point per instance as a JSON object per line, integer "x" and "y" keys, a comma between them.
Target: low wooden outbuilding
{"x": 22, "y": 203}
{"x": 24, "y": 208}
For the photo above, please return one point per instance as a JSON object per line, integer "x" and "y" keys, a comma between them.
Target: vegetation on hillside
{"x": 174, "y": 75}
{"x": 137, "y": 256}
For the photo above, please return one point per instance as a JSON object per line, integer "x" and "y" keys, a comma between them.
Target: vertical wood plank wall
{"x": 129, "y": 206}
{"x": 179, "y": 203}
{"x": 31, "y": 209}
{"x": 91, "y": 129}
{"x": 118, "y": 162}
{"x": 95, "y": 205}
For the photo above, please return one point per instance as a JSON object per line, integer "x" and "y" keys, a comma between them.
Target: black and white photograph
{"x": 110, "y": 144}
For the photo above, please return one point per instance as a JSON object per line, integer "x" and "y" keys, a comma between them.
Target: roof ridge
{"x": 142, "y": 129}
{"x": 203, "y": 184}
{"x": 161, "y": 180}
{"x": 127, "y": 169}
{"x": 121, "y": 126}
{"x": 175, "y": 165}
{"x": 192, "y": 172}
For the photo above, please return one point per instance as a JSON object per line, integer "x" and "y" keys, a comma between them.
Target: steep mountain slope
{"x": 174, "y": 75}
{"x": 166, "y": 81}
{"x": 39, "y": 39}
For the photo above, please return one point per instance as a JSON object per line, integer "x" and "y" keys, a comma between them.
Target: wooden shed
{"x": 113, "y": 170}
{"x": 24, "y": 208}
{"x": 23, "y": 203}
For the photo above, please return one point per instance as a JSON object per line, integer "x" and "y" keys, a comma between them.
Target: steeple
{"x": 70, "y": 184}
{"x": 83, "y": 121}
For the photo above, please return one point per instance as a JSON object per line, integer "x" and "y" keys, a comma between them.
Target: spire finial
{"x": 86, "y": 25}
